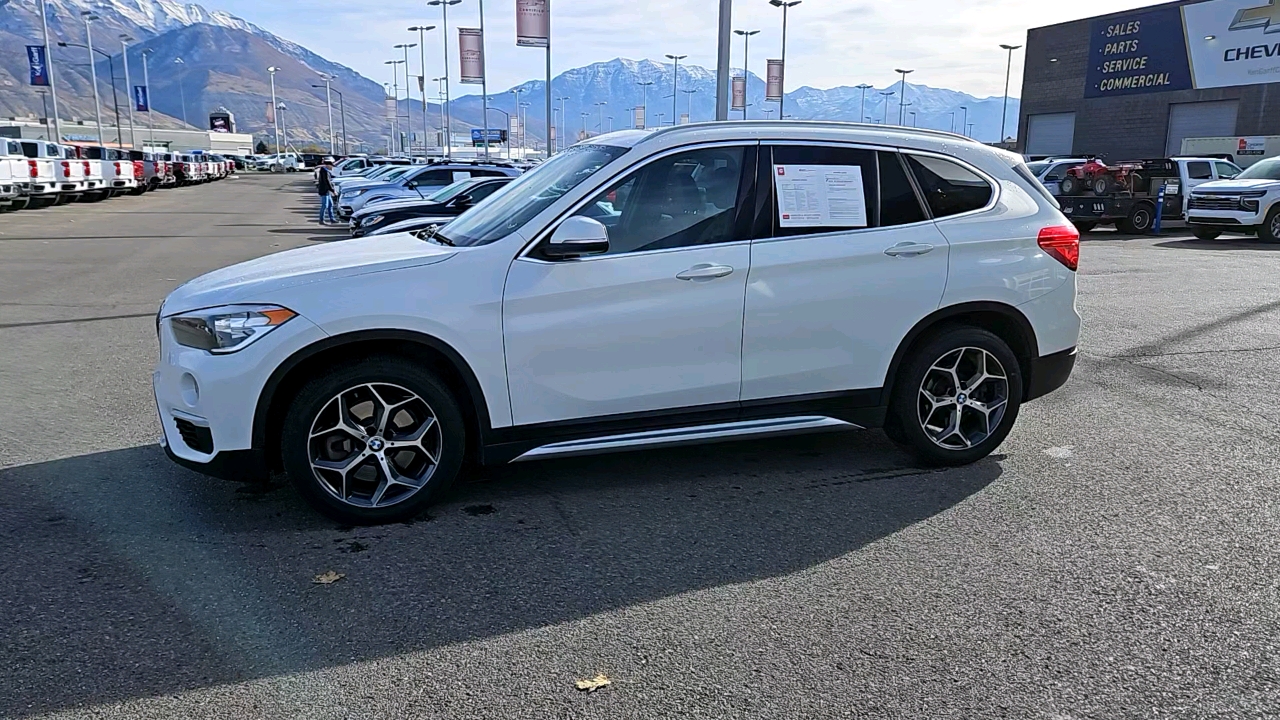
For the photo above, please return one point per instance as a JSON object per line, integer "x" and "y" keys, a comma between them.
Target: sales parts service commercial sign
{"x": 1220, "y": 43}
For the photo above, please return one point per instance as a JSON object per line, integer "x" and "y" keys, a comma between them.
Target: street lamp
{"x": 1007, "y": 72}
{"x": 746, "y": 66}
{"x": 645, "y": 84}
{"x": 887, "y": 94}
{"x": 690, "y": 94}
{"x": 124, "y": 53}
{"x": 48, "y": 58}
{"x": 902, "y": 98}
{"x": 444, "y": 102}
{"x": 785, "y": 5}
{"x": 407, "y": 94}
{"x": 93, "y": 71}
{"x": 422, "y": 59}
{"x": 111, "y": 64}
{"x": 275, "y": 121}
{"x": 342, "y": 112}
{"x": 864, "y": 88}
{"x": 284, "y": 132}
{"x": 964, "y": 123}
{"x": 440, "y": 81}
{"x": 585, "y": 115}
{"x": 146, "y": 82}
{"x": 395, "y": 97}
{"x": 913, "y": 119}
{"x": 600, "y": 106}
{"x": 675, "y": 81}
{"x": 506, "y": 115}
{"x": 328, "y": 104}
{"x": 182, "y": 91}
{"x": 564, "y": 119}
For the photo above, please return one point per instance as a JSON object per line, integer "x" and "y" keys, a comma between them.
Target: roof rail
{"x": 818, "y": 124}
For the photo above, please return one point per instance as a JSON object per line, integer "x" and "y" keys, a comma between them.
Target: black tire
{"x": 1139, "y": 221}
{"x": 904, "y": 424}
{"x": 1069, "y": 185}
{"x": 1204, "y": 233}
{"x": 315, "y": 397}
{"x": 1103, "y": 185}
{"x": 44, "y": 201}
{"x": 1085, "y": 226}
{"x": 21, "y": 203}
{"x": 1269, "y": 231}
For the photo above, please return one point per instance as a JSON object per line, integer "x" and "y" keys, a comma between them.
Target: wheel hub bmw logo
{"x": 376, "y": 444}
{"x": 962, "y": 399}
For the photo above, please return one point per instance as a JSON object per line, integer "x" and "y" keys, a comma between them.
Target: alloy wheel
{"x": 1275, "y": 225}
{"x": 375, "y": 445}
{"x": 963, "y": 398}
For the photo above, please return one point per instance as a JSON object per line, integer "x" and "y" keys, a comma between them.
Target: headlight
{"x": 372, "y": 221}
{"x": 358, "y": 193}
{"x": 228, "y": 328}
{"x": 1254, "y": 194}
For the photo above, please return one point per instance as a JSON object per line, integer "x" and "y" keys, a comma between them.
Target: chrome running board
{"x": 688, "y": 436}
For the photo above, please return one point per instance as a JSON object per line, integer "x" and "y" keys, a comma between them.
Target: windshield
{"x": 1037, "y": 168}
{"x": 1265, "y": 170}
{"x": 519, "y": 202}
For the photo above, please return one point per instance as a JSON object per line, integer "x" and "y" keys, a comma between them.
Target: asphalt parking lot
{"x": 1117, "y": 558}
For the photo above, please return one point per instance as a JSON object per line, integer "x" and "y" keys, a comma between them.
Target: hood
{"x": 412, "y": 224}
{"x": 392, "y": 205}
{"x": 255, "y": 280}
{"x": 1236, "y": 185}
{"x": 371, "y": 187}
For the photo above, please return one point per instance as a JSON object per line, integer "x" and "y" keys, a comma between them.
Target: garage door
{"x": 1203, "y": 119}
{"x": 1051, "y": 134}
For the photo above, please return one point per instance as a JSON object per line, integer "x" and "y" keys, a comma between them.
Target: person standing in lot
{"x": 324, "y": 187}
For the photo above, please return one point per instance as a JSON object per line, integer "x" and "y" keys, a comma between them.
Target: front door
{"x": 656, "y": 323}
{"x": 849, "y": 266}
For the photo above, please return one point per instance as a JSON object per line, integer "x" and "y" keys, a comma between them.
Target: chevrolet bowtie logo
{"x": 1266, "y": 17}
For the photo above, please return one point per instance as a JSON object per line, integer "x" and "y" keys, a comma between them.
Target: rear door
{"x": 845, "y": 263}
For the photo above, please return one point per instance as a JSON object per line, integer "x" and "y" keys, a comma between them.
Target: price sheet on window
{"x": 820, "y": 195}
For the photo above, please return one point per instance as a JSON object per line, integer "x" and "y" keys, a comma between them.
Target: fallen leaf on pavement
{"x": 332, "y": 577}
{"x": 593, "y": 684}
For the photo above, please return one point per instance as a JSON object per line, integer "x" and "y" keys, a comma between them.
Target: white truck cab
{"x": 13, "y": 165}
{"x": 1248, "y": 202}
{"x": 41, "y": 180}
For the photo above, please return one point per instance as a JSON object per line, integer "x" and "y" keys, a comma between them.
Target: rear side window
{"x": 899, "y": 204}
{"x": 1199, "y": 171}
{"x": 948, "y": 188}
{"x": 822, "y": 189}
{"x": 29, "y": 150}
{"x": 1026, "y": 174}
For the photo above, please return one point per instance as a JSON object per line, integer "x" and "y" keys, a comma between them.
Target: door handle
{"x": 909, "y": 249}
{"x": 705, "y": 272}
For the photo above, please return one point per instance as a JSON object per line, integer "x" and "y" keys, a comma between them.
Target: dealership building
{"x": 1135, "y": 84}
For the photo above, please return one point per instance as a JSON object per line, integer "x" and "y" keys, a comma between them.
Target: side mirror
{"x": 577, "y": 236}
{"x": 461, "y": 201}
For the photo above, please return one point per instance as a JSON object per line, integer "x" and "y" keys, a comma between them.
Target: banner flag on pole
{"x": 39, "y": 65}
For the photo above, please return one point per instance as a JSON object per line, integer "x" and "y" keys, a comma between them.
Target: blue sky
{"x": 950, "y": 43}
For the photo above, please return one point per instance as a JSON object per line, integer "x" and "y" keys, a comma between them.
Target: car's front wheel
{"x": 956, "y": 397}
{"x": 374, "y": 441}
{"x": 1205, "y": 233}
{"x": 1269, "y": 231}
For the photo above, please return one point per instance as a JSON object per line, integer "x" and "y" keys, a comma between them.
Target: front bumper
{"x": 1225, "y": 218}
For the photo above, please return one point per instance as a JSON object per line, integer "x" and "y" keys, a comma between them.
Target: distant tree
{"x": 260, "y": 148}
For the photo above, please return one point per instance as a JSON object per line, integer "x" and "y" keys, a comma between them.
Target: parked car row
{"x": 39, "y": 173}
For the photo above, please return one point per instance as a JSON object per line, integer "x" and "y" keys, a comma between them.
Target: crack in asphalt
{"x": 1195, "y": 352}
{"x": 69, "y": 321}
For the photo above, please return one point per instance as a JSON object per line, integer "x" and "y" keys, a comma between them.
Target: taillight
{"x": 35, "y": 169}
{"x": 86, "y": 169}
{"x": 1062, "y": 243}
{"x": 117, "y": 168}
{"x": 66, "y": 168}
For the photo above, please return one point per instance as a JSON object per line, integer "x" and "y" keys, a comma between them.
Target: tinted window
{"x": 681, "y": 200}
{"x": 483, "y": 191}
{"x": 898, "y": 202}
{"x": 1199, "y": 171}
{"x": 863, "y": 160}
{"x": 1227, "y": 170}
{"x": 434, "y": 178}
{"x": 29, "y": 149}
{"x": 948, "y": 188}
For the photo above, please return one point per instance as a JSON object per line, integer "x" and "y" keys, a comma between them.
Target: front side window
{"x": 1226, "y": 170}
{"x": 681, "y": 200}
{"x": 518, "y": 202}
{"x": 948, "y": 188}
{"x": 1199, "y": 171}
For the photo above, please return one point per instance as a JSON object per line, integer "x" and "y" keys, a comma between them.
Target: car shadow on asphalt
{"x": 136, "y": 578}
{"x": 1232, "y": 243}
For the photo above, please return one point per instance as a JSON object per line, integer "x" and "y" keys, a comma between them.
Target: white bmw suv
{"x": 644, "y": 288}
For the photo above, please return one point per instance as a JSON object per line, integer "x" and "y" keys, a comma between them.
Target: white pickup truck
{"x": 117, "y": 169}
{"x": 68, "y": 173}
{"x": 13, "y": 165}
{"x": 41, "y": 182}
{"x": 1249, "y": 203}
{"x": 94, "y": 182}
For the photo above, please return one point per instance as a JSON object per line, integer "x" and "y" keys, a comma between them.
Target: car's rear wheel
{"x": 1269, "y": 231}
{"x": 1204, "y": 233}
{"x": 1085, "y": 226}
{"x": 956, "y": 398}
{"x": 374, "y": 441}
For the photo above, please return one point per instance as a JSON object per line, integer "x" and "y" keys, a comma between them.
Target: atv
{"x": 1101, "y": 178}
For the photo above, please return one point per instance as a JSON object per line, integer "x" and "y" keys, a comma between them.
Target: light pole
{"x": 328, "y": 103}
{"x": 182, "y": 91}
{"x": 970, "y": 133}
{"x": 887, "y": 95}
{"x": 600, "y": 106}
{"x": 690, "y": 94}
{"x": 440, "y": 81}
{"x": 675, "y": 82}
{"x": 585, "y": 115}
{"x": 93, "y": 71}
{"x": 516, "y": 92}
{"x": 524, "y": 133}
{"x": 342, "y": 112}
{"x": 564, "y": 120}
{"x": 408, "y": 119}
{"x": 275, "y": 121}
{"x": 506, "y": 115}
{"x": 902, "y": 98}
{"x": 953, "y": 121}
{"x": 724, "y": 58}
{"x": 610, "y": 119}
{"x": 964, "y": 123}
{"x": 124, "y": 52}
{"x": 111, "y": 65}
{"x": 864, "y": 88}
{"x": 284, "y": 132}
{"x": 146, "y": 81}
{"x": 746, "y": 66}
{"x": 645, "y": 84}
{"x": 422, "y": 58}
{"x": 395, "y": 97}
{"x": 484, "y": 86}
{"x": 1007, "y": 72}
{"x": 48, "y": 58}
{"x": 785, "y": 5}
{"x": 662, "y": 119}
{"x": 448, "y": 116}
{"x": 913, "y": 118}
